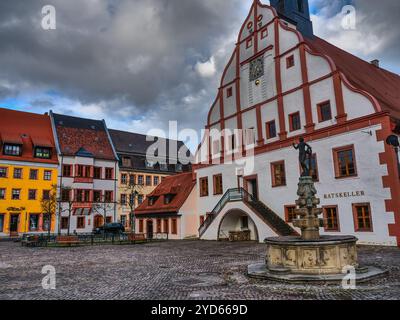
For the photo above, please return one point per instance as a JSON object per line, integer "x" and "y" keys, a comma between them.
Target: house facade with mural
{"x": 139, "y": 174}
{"x": 281, "y": 83}
{"x": 28, "y": 172}
{"x": 88, "y": 169}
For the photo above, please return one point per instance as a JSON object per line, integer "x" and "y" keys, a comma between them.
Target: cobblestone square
{"x": 172, "y": 270}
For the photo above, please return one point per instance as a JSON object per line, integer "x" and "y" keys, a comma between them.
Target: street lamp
{"x": 393, "y": 141}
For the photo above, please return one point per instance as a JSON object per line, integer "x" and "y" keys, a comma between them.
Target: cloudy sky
{"x": 140, "y": 63}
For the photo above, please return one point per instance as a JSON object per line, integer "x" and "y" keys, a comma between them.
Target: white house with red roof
{"x": 281, "y": 83}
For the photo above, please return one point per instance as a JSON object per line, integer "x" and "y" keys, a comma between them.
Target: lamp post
{"x": 393, "y": 141}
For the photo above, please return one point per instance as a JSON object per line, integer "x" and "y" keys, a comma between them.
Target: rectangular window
{"x": 290, "y": 216}
{"x": 1, "y": 222}
{"x": 294, "y": 121}
{"x": 17, "y": 173}
{"x": 12, "y": 150}
{"x": 132, "y": 180}
{"x": 124, "y": 178}
{"x": 218, "y": 189}
{"x": 65, "y": 195}
{"x": 140, "y": 199}
{"x": 345, "y": 162}
{"x": 97, "y": 196}
{"x": 229, "y": 92}
{"x": 3, "y": 172}
{"x": 204, "y": 187}
{"x": 123, "y": 220}
{"x": 174, "y": 226}
{"x": 44, "y": 153}
{"x": 249, "y": 43}
{"x": 108, "y": 196}
{"x": 166, "y": 226}
{"x": 32, "y": 194}
{"x": 270, "y": 129}
{"x": 33, "y": 222}
{"x": 264, "y": 33}
{"x": 158, "y": 225}
{"x": 156, "y": 180}
{"x": 278, "y": 174}
{"x": 33, "y": 174}
{"x": 148, "y": 180}
{"x": 16, "y": 194}
{"x": 80, "y": 223}
{"x": 97, "y": 173}
{"x": 47, "y": 175}
{"x": 290, "y": 61}
{"x": 109, "y": 173}
{"x": 362, "y": 217}
{"x": 46, "y": 195}
{"x": 123, "y": 199}
{"x": 331, "y": 218}
{"x": 132, "y": 199}
{"x": 141, "y": 226}
{"x": 140, "y": 180}
{"x": 2, "y": 194}
{"x": 324, "y": 111}
{"x": 67, "y": 170}
{"x": 64, "y": 223}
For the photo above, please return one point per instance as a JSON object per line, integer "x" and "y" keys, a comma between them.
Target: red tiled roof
{"x": 380, "y": 83}
{"x": 24, "y": 128}
{"x": 180, "y": 186}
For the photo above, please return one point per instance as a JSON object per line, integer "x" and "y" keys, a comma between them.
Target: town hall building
{"x": 281, "y": 83}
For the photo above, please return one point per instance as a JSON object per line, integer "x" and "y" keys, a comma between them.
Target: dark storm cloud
{"x": 130, "y": 55}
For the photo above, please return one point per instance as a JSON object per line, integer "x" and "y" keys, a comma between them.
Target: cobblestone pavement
{"x": 172, "y": 270}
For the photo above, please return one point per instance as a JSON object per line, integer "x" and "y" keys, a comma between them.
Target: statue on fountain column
{"x": 305, "y": 154}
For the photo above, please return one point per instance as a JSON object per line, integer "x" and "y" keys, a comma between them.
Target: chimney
{"x": 375, "y": 63}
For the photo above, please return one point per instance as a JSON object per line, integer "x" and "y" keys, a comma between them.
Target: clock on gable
{"x": 256, "y": 68}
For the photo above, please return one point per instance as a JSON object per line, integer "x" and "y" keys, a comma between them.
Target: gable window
{"x": 290, "y": 215}
{"x": 124, "y": 178}
{"x": 204, "y": 187}
{"x": 32, "y": 194}
{"x": 16, "y": 194}
{"x": 290, "y": 62}
{"x": 43, "y": 153}
{"x": 362, "y": 217}
{"x": 12, "y": 150}
{"x": 331, "y": 218}
{"x": 109, "y": 173}
{"x": 218, "y": 189}
{"x": 3, "y": 172}
{"x": 324, "y": 111}
{"x": 345, "y": 162}
{"x": 249, "y": 43}
{"x": 278, "y": 174}
{"x": 294, "y": 121}
{"x": 2, "y": 194}
{"x": 229, "y": 92}
{"x": 264, "y": 33}
{"x": 47, "y": 175}
{"x": 67, "y": 170}
{"x": 270, "y": 129}
{"x": 17, "y": 173}
{"x": 33, "y": 174}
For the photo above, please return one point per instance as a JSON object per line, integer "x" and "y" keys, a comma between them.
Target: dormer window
{"x": 44, "y": 153}
{"x": 126, "y": 162}
{"x": 168, "y": 198}
{"x": 149, "y": 164}
{"x": 178, "y": 167}
{"x": 152, "y": 200}
{"x": 12, "y": 150}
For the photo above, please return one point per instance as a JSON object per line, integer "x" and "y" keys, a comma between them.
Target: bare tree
{"x": 132, "y": 190}
{"x": 49, "y": 206}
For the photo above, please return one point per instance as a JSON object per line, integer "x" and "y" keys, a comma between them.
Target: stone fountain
{"x": 310, "y": 257}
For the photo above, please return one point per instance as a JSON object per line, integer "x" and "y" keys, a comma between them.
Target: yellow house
{"x": 28, "y": 171}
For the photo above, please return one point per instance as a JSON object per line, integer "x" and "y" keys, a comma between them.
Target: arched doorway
{"x": 98, "y": 221}
{"x": 237, "y": 225}
{"x": 149, "y": 229}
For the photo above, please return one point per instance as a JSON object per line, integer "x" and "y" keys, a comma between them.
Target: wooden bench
{"x": 137, "y": 237}
{"x": 68, "y": 240}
